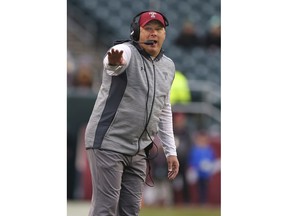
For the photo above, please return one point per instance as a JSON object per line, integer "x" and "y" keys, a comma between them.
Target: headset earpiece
{"x": 135, "y": 28}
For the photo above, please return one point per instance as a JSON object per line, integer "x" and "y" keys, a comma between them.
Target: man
{"x": 132, "y": 107}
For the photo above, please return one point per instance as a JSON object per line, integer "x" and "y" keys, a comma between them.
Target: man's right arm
{"x": 117, "y": 59}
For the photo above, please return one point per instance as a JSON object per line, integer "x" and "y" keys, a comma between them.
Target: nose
{"x": 153, "y": 32}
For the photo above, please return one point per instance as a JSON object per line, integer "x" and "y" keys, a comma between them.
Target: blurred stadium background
{"x": 92, "y": 26}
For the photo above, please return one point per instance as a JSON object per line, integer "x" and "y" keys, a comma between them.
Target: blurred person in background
{"x": 188, "y": 36}
{"x": 71, "y": 142}
{"x": 213, "y": 36}
{"x": 201, "y": 162}
{"x": 132, "y": 107}
{"x": 180, "y": 90}
{"x": 183, "y": 142}
{"x": 158, "y": 190}
{"x": 214, "y": 132}
{"x": 84, "y": 77}
{"x": 71, "y": 68}
{"x": 180, "y": 94}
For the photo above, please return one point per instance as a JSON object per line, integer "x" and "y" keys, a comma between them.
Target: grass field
{"x": 180, "y": 211}
{"x": 76, "y": 208}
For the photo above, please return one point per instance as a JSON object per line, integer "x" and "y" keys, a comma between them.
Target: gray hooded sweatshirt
{"x": 133, "y": 104}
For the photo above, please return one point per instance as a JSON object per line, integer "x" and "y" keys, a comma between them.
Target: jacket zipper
{"x": 152, "y": 104}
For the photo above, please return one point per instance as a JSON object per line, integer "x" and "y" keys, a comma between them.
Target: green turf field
{"x": 180, "y": 211}
{"x": 75, "y": 208}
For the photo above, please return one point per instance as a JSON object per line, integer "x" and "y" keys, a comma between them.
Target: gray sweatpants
{"x": 117, "y": 182}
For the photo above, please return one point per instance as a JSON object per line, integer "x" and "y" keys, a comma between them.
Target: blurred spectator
{"x": 83, "y": 77}
{"x": 83, "y": 184}
{"x": 159, "y": 193}
{"x": 201, "y": 162}
{"x": 215, "y": 180}
{"x": 71, "y": 67}
{"x": 71, "y": 155}
{"x": 180, "y": 91}
{"x": 184, "y": 143}
{"x": 188, "y": 36}
{"x": 213, "y": 36}
{"x": 215, "y": 139}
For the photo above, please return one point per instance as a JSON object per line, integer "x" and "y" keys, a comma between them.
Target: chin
{"x": 153, "y": 51}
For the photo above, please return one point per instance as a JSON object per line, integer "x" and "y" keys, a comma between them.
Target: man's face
{"x": 155, "y": 31}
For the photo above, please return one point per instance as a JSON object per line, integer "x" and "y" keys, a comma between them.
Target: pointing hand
{"x": 115, "y": 57}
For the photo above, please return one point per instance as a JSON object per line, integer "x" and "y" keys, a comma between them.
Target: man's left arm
{"x": 166, "y": 136}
